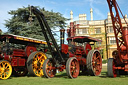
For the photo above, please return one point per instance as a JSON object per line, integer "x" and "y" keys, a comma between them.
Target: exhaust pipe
{"x": 62, "y": 32}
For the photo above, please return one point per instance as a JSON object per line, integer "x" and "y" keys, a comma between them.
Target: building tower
{"x": 91, "y": 12}
{"x": 71, "y": 16}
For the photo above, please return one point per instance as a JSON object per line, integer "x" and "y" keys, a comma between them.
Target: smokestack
{"x": 62, "y": 32}
{"x": 71, "y": 16}
{"x": 91, "y": 12}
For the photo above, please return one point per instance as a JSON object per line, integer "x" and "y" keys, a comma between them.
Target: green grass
{"x": 62, "y": 79}
{"x": 104, "y": 61}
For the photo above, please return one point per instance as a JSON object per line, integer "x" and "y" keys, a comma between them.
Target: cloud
{"x": 93, "y": 3}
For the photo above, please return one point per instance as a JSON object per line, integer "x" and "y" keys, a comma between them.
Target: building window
{"x": 112, "y": 40}
{"x": 85, "y": 31}
{"x": 110, "y": 30}
{"x": 98, "y": 30}
{"x": 99, "y": 43}
{"x": 77, "y": 31}
{"x": 80, "y": 31}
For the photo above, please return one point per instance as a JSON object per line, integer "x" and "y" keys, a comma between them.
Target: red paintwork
{"x": 114, "y": 69}
{"x": 87, "y": 48}
{"x": 19, "y": 53}
{"x": 17, "y": 61}
{"x": 29, "y": 49}
{"x": 14, "y": 62}
{"x": 21, "y": 62}
{"x": 6, "y": 57}
{"x": 64, "y": 48}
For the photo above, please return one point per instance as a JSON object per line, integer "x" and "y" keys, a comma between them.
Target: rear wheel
{"x": 72, "y": 67}
{"x": 94, "y": 63}
{"x": 5, "y": 69}
{"x": 20, "y": 71}
{"x": 35, "y": 63}
{"x": 49, "y": 68}
{"x": 111, "y": 68}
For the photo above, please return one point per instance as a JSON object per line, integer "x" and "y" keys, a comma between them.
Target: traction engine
{"x": 72, "y": 57}
{"x": 119, "y": 62}
{"x": 18, "y": 61}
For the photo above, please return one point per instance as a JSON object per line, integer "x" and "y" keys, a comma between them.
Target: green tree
{"x": 19, "y": 23}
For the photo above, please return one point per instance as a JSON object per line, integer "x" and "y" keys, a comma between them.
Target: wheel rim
{"x": 74, "y": 68}
{"x": 5, "y": 70}
{"x": 50, "y": 69}
{"x": 96, "y": 63}
{"x": 37, "y": 63}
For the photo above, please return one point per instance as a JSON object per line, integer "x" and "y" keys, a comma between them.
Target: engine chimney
{"x": 62, "y": 32}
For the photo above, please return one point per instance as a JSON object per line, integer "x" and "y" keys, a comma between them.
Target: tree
{"x": 19, "y": 24}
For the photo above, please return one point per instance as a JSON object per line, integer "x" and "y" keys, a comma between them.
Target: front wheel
{"x": 72, "y": 67}
{"x": 111, "y": 68}
{"x": 49, "y": 69}
{"x": 5, "y": 69}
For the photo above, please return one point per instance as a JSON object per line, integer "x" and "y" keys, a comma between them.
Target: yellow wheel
{"x": 35, "y": 63}
{"x": 5, "y": 69}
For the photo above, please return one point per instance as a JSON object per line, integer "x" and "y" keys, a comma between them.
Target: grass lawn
{"x": 62, "y": 79}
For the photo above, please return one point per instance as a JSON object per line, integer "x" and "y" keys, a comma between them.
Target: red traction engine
{"x": 79, "y": 57}
{"x": 18, "y": 61}
{"x": 70, "y": 57}
{"x": 90, "y": 61}
{"x": 119, "y": 63}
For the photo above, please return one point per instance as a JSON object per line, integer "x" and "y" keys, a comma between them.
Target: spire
{"x": 91, "y": 12}
{"x": 71, "y": 16}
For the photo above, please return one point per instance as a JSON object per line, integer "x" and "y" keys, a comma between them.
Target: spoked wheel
{"x": 111, "y": 68}
{"x": 20, "y": 71}
{"x": 49, "y": 68}
{"x": 35, "y": 63}
{"x": 94, "y": 63}
{"x": 5, "y": 69}
{"x": 72, "y": 67}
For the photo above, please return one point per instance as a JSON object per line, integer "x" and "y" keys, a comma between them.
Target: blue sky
{"x": 100, "y": 8}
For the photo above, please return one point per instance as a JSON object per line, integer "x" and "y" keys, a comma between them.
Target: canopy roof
{"x": 82, "y": 39}
{"x": 20, "y": 39}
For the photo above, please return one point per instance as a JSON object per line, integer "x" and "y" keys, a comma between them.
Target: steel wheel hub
{"x": 2, "y": 70}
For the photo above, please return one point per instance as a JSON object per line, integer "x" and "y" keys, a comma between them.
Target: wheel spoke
{"x": 72, "y": 63}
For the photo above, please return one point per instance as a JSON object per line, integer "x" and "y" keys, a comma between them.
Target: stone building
{"x": 100, "y": 29}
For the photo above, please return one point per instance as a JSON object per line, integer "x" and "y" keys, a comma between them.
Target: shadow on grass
{"x": 103, "y": 75}
{"x": 64, "y": 75}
